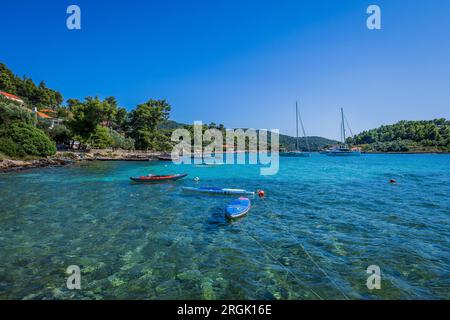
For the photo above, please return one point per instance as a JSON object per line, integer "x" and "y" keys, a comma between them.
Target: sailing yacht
{"x": 297, "y": 152}
{"x": 344, "y": 149}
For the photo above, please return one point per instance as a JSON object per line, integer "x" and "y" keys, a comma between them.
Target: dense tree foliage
{"x": 93, "y": 122}
{"x": 144, "y": 121}
{"x": 314, "y": 143}
{"x": 87, "y": 116}
{"x": 406, "y": 136}
{"x": 103, "y": 124}
{"x": 60, "y": 134}
{"x": 100, "y": 138}
{"x": 99, "y": 124}
{"x": 34, "y": 95}
{"x": 119, "y": 141}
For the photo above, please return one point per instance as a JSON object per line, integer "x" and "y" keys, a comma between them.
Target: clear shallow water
{"x": 155, "y": 242}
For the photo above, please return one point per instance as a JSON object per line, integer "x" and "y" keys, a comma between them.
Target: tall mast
{"x": 304, "y": 132}
{"x": 343, "y": 126}
{"x": 296, "y": 123}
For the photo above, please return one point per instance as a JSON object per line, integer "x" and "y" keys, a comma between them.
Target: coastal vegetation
{"x": 33, "y": 121}
{"x": 306, "y": 144}
{"x": 33, "y": 95}
{"x": 406, "y": 136}
{"x": 19, "y": 137}
{"x": 28, "y": 127}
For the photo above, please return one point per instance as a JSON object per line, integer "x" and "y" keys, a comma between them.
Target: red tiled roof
{"x": 9, "y": 95}
{"x": 43, "y": 115}
{"x": 47, "y": 111}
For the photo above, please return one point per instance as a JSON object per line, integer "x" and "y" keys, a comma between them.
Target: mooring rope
{"x": 282, "y": 265}
{"x": 307, "y": 253}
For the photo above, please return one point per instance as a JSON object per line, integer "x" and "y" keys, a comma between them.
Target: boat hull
{"x": 158, "y": 179}
{"x": 295, "y": 154}
{"x": 344, "y": 154}
{"x": 238, "y": 208}
{"x": 221, "y": 191}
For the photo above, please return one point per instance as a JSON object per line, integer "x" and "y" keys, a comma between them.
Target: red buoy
{"x": 261, "y": 193}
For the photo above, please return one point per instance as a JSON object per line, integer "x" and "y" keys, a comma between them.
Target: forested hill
{"x": 314, "y": 143}
{"x": 285, "y": 141}
{"x": 34, "y": 95}
{"x": 406, "y": 136}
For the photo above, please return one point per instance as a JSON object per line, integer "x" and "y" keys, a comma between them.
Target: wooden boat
{"x": 238, "y": 208}
{"x": 156, "y": 178}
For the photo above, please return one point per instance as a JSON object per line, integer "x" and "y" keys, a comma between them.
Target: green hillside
{"x": 34, "y": 95}
{"x": 406, "y": 136}
{"x": 315, "y": 143}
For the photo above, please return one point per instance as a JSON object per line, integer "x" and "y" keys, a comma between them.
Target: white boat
{"x": 294, "y": 154}
{"x": 344, "y": 149}
{"x": 214, "y": 190}
{"x": 297, "y": 153}
{"x": 343, "y": 152}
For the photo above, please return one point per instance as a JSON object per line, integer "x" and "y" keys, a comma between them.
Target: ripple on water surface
{"x": 156, "y": 242}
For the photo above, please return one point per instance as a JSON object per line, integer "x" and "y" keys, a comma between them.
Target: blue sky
{"x": 242, "y": 63}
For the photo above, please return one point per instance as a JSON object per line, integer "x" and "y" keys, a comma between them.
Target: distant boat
{"x": 297, "y": 153}
{"x": 344, "y": 149}
{"x": 343, "y": 152}
{"x": 208, "y": 165}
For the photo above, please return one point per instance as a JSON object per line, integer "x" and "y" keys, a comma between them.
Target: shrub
{"x": 10, "y": 148}
{"x": 23, "y": 139}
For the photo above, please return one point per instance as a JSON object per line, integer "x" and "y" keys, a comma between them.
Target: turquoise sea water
{"x": 136, "y": 241}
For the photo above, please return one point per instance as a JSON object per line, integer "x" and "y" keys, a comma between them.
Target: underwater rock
{"x": 208, "y": 290}
{"x": 116, "y": 281}
{"x": 167, "y": 289}
{"x": 189, "y": 275}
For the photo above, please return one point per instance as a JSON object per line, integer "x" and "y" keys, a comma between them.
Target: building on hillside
{"x": 48, "y": 115}
{"x": 48, "y": 111}
{"x": 11, "y": 97}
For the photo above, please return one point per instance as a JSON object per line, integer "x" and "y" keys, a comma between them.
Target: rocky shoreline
{"x": 18, "y": 165}
{"x": 67, "y": 158}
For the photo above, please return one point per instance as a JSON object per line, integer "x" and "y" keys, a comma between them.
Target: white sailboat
{"x": 297, "y": 152}
{"x": 344, "y": 149}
